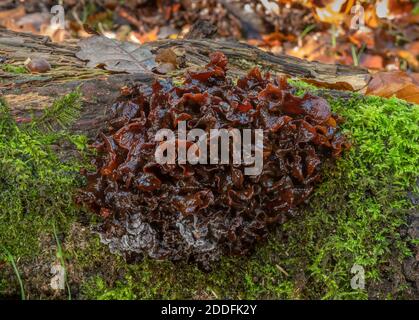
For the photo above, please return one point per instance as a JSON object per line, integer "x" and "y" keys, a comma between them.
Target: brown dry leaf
{"x": 37, "y": 23}
{"x": 166, "y": 56}
{"x": 316, "y": 47}
{"x": 167, "y": 59}
{"x": 399, "y": 8}
{"x": 21, "y": 22}
{"x": 413, "y": 48}
{"x": 334, "y": 11}
{"x": 12, "y": 14}
{"x": 340, "y": 85}
{"x": 115, "y": 55}
{"x": 361, "y": 37}
{"x": 415, "y": 77}
{"x": 409, "y": 57}
{"x": 412, "y": 19}
{"x": 278, "y": 37}
{"x": 372, "y": 61}
{"x": 312, "y": 46}
{"x": 396, "y": 83}
{"x": 370, "y": 16}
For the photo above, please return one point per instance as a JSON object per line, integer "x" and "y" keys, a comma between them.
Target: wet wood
{"x": 31, "y": 93}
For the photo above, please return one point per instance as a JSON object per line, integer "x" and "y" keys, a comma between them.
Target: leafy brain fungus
{"x": 200, "y": 212}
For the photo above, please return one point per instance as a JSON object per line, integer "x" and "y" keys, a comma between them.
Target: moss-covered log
{"x": 361, "y": 214}
{"x": 30, "y": 93}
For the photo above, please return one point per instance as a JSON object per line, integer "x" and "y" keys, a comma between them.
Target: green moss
{"x": 36, "y": 187}
{"x": 13, "y": 69}
{"x": 355, "y": 215}
{"x": 63, "y": 112}
{"x": 122, "y": 291}
{"x": 302, "y": 86}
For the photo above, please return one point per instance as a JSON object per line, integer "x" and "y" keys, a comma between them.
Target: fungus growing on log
{"x": 202, "y": 211}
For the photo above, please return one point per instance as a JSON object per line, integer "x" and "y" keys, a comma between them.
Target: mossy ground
{"x": 356, "y": 216}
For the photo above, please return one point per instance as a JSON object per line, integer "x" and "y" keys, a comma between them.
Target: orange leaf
{"x": 148, "y": 36}
{"x": 395, "y": 83}
{"x": 340, "y": 85}
{"x": 16, "y": 13}
{"x": 371, "y": 61}
{"x": 409, "y": 57}
{"x": 334, "y": 11}
{"x": 413, "y": 48}
{"x": 278, "y": 36}
{"x": 371, "y": 18}
{"x": 363, "y": 37}
{"x": 167, "y": 59}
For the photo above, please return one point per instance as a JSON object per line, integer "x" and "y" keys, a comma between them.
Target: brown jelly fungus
{"x": 200, "y": 212}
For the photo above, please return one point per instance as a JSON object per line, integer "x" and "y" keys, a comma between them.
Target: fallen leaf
{"x": 399, "y": 8}
{"x": 167, "y": 59}
{"x": 166, "y": 56}
{"x": 340, "y": 85}
{"x": 278, "y": 37}
{"x": 27, "y": 23}
{"x": 152, "y": 35}
{"x": 415, "y": 77}
{"x": 13, "y": 13}
{"x": 33, "y": 22}
{"x": 334, "y": 11}
{"x": 371, "y": 61}
{"x": 363, "y": 37}
{"x": 395, "y": 83}
{"x": 370, "y": 16}
{"x": 115, "y": 55}
{"x": 311, "y": 48}
{"x": 412, "y": 18}
{"x": 413, "y": 48}
{"x": 409, "y": 57}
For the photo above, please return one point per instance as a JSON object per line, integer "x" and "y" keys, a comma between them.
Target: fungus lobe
{"x": 200, "y": 212}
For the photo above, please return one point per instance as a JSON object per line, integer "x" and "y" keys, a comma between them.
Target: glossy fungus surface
{"x": 200, "y": 212}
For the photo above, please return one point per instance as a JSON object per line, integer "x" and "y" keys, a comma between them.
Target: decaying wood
{"x": 30, "y": 93}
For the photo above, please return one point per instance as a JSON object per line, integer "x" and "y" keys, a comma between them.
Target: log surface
{"x": 30, "y": 93}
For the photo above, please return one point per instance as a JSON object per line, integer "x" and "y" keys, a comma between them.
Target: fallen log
{"x": 29, "y": 94}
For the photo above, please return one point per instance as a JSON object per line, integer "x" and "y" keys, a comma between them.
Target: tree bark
{"x": 29, "y": 94}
